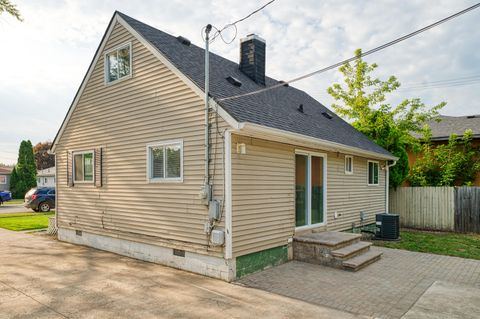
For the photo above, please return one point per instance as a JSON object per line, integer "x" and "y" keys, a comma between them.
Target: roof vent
{"x": 234, "y": 81}
{"x": 300, "y": 108}
{"x": 183, "y": 40}
{"x": 327, "y": 115}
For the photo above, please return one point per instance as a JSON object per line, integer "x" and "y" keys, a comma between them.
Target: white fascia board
{"x": 98, "y": 54}
{"x": 227, "y": 117}
{"x": 282, "y": 136}
{"x": 157, "y": 53}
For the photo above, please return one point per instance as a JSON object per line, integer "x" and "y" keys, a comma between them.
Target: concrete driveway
{"x": 43, "y": 278}
{"x": 10, "y": 209}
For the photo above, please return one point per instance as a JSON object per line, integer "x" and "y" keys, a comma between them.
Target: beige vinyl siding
{"x": 263, "y": 195}
{"x": 263, "y": 187}
{"x": 350, "y": 194}
{"x": 122, "y": 118}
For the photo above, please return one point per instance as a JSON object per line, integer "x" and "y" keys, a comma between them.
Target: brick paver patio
{"x": 385, "y": 289}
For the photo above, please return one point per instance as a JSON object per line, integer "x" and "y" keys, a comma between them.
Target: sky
{"x": 45, "y": 57}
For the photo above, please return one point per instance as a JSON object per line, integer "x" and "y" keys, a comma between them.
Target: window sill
{"x": 308, "y": 227}
{"x": 373, "y": 184}
{"x": 126, "y": 77}
{"x": 165, "y": 180}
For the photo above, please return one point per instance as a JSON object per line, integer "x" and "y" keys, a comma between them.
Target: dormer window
{"x": 118, "y": 63}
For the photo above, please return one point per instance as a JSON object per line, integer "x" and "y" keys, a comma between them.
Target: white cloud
{"x": 49, "y": 52}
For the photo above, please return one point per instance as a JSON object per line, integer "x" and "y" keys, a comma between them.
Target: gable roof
{"x": 6, "y": 170}
{"x": 454, "y": 125}
{"x": 276, "y": 109}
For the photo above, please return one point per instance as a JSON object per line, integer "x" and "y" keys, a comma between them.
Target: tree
{"x": 42, "y": 157}
{"x": 25, "y": 171}
{"x": 363, "y": 103}
{"x": 14, "y": 183}
{"x": 454, "y": 163}
{"x": 10, "y": 8}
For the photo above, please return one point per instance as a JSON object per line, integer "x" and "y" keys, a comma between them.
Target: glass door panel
{"x": 301, "y": 187}
{"x": 317, "y": 190}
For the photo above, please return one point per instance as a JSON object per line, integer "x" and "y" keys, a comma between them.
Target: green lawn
{"x": 14, "y": 202}
{"x": 25, "y": 221}
{"x": 451, "y": 244}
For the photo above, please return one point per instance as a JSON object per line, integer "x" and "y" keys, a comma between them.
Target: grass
{"x": 440, "y": 243}
{"x": 25, "y": 221}
{"x": 14, "y": 202}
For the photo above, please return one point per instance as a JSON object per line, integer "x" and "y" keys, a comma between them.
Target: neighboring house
{"x": 46, "y": 177}
{"x": 448, "y": 125}
{"x": 132, "y": 165}
{"x": 5, "y": 172}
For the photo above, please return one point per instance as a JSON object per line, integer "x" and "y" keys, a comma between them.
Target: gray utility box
{"x": 387, "y": 226}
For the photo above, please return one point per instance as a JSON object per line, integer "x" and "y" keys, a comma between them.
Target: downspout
{"x": 387, "y": 184}
{"x": 207, "y": 190}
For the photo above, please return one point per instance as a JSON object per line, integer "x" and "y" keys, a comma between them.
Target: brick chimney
{"x": 252, "y": 57}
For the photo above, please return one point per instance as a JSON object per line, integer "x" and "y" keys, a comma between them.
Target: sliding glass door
{"x": 309, "y": 189}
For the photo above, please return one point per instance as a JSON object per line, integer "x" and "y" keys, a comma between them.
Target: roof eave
{"x": 307, "y": 141}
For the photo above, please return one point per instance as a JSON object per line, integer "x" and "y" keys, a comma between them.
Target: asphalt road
{"x": 10, "y": 209}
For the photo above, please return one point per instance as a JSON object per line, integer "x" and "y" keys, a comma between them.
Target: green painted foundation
{"x": 257, "y": 261}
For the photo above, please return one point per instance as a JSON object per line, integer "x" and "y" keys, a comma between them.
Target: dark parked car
{"x": 5, "y": 196}
{"x": 40, "y": 199}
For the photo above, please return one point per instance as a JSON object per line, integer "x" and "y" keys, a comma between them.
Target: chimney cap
{"x": 252, "y": 36}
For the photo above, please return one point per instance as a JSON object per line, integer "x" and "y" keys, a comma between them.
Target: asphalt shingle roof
{"x": 276, "y": 108}
{"x": 6, "y": 170}
{"x": 454, "y": 125}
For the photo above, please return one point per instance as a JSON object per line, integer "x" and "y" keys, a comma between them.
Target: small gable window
{"x": 165, "y": 162}
{"x": 348, "y": 164}
{"x": 372, "y": 173}
{"x": 118, "y": 63}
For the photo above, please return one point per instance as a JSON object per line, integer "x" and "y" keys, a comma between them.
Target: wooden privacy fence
{"x": 437, "y": 208}
{"x": 467, "y": 209}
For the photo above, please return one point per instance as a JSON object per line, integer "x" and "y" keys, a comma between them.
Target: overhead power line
{"x": 371, "y": 51}
{"x": 218, "y": 32}
{"x": 460, "y": 81}
{"x": 440, "y": 86}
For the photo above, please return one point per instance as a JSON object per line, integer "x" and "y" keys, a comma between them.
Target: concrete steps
{"x": 361, "y": 261}
{"x": 352, "y": 250}
{"x": 334, "y": 249}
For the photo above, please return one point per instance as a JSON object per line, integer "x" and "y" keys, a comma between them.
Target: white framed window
{"x": 83, "y": 167}
{"x": 165, "y": 162}
{"x": 373, "y": 172}
{"x": 348, "y": 164}
{"x": 3, "y": 179}
{"x": 118, "y": 63}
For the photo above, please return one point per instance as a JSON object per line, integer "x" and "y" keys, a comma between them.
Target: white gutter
{"x": 228, "y": 194}
{"x": 387, "y": 184}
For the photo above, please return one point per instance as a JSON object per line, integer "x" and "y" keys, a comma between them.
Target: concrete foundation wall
{"x": 197, "y": 263}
